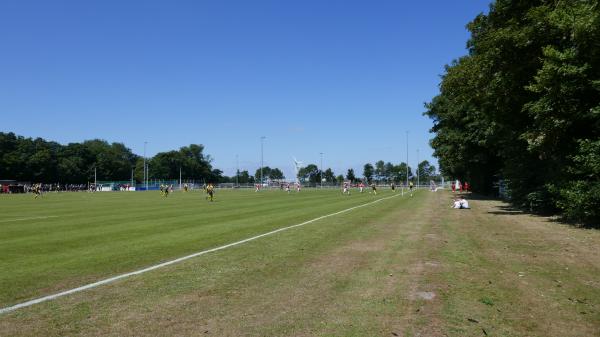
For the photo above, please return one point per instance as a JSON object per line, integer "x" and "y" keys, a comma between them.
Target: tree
{"x": 276, "y": 174}
{"x": 524, "y": 102}
{"x": 368, "y": 172}
{"x": 388, "y": 169}
{"x": 37, "y": 160}
{"x": 340, "y": 179}
{"x": 350, "y": 175}
{"x": 189, "y": 159}
{"x": 329, "y": 176}
{"x": 266, "y": 172}
{"x": 380, "y": 170}
{"x": 309, "y": 173}
{"x": 244, "y": 177}
{"x": 425, "y": 170}
{"x": 216, "y": 176}
{"x": 398, "y": 173}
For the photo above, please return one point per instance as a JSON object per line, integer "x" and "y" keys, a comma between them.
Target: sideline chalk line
{"x": 32, "y": 218}
{"x": 167, "y": 263}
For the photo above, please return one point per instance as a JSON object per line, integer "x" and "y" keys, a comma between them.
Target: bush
{"x": 580, "y": 201}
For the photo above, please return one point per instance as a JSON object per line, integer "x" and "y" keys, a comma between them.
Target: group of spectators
{"x": 26, "y": 188}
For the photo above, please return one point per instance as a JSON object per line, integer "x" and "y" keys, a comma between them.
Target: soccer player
{"x": 210, "y": 191}
{"x": 361, "y": 187}
{"x": 37, "y": 190}
{"x": 346, "y": 190}
{"x": 410, "y": 187}
{"x": 287, "y": 188}
{"x": 297, "y": 187}
{"x": 374, "y": 188}
{"x": 393, "y": 187}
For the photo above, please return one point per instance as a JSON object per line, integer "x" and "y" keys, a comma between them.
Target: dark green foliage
{"x": 309, "y": 173}
{"x": 37, "y": 160}
{"x": 524, "y": 106}
{"x": 329, "y": 176}
{"x": 426, "y": 171}
{"x": 245, "y": 178}
{"x": 269, "y": 173}
{"x": 368, "y": 172}
{"x": 350, "y": 175}
{"x": 388, "y": 172}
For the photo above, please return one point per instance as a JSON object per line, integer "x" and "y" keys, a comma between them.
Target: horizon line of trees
{"x": 522, "y": 108}
{"x": 39, "y": 160}
{"x": 380, "y": 172}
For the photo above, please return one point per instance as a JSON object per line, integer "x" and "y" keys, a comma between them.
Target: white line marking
{"x": 32, "y": 218}
{"x": 164, "y": 264}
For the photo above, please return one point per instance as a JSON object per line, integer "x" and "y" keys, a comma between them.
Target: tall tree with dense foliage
{"x": 368, "y": 172}
{"x": 524, "y": 105}
{"x": 329, "y": 176}
{"x": 425, "y": 171}
{"x": 350, "y": 175}
{"x": 309, "y": 173}
{"x": 190, "y": 159}
{"x": 380, "y": 173}
{"x": 276, "y": 174}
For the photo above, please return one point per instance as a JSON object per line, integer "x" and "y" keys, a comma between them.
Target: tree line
{"x": 38, "y": 160}
{"x": 523, "y": 107}
{"x": 381, "y": 172}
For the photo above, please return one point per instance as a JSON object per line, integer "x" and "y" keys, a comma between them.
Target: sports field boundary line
{"x": 177, "y": 260}
{"x": 30, "y": 218}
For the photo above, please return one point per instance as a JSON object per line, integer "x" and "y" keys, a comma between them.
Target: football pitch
{"x": 359, "y": 265}
{"x": 63, "y": 240}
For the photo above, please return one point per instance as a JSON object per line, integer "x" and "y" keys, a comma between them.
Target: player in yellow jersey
{"x": 210, "y": 192}
{"x": 37, "y": 190}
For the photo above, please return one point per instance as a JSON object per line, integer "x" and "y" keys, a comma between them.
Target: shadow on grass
{"x": 508, "y": 209}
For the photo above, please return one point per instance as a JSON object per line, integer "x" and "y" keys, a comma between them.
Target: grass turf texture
{"x": 76, "y": 238}
{"x": 367, "y": 272}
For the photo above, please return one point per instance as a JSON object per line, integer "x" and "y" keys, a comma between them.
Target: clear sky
{"x": 346, "y": 78}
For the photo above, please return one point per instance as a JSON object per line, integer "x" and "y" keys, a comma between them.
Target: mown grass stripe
{"x": 167, "y": 263}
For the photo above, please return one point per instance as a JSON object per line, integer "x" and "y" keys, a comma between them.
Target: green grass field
{"x": 67, "y": 239}
{"x": 402, "y": 266}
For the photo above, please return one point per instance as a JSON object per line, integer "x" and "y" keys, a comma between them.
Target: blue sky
{"x": 346, "y": 78}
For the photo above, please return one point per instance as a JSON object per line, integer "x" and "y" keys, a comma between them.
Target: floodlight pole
{"x": 321, "y": 174}
{"x": 237, "y": 171}
{"x": 261, "y": 160}
{"x": 95, "y": 180}
{"x": 406, "y": 158}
